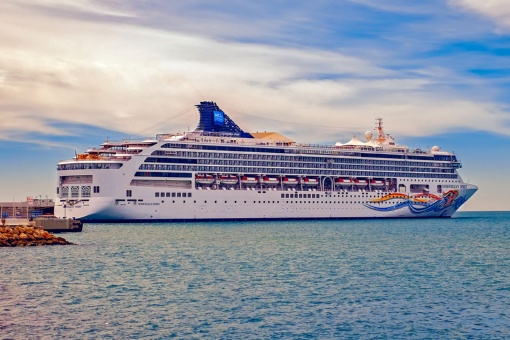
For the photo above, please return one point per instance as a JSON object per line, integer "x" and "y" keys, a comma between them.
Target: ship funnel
{"x": 213, "y": 119}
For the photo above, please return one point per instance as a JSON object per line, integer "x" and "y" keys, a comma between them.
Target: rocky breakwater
{"x": 24, "y": 236}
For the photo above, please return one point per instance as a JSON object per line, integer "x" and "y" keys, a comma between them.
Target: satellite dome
{"x": 368, "y": 135}
{"x": 435, "y": 148}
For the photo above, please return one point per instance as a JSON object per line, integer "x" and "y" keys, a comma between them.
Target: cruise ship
{"x": 220, "y": 172}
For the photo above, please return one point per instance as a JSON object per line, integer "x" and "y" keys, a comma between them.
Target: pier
{"x": 36, "y": 213}
{"x": 32, "y": 207}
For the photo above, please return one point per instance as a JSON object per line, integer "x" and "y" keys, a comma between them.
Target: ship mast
{"x": 379, "y": 127}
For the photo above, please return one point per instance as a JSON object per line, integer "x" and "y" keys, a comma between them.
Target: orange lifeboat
{"x": 290, "y": 181}
{"x": 228, "y": 179}
{"x": 360, "y": 182}
{"x": 249, "y": 180}
{"x": 204, "y": 179}
{"x": 309, "y": 181}
{"x": 270, "y": 180}
{"x": 376, "y": 183}
{"x": 344, "y": 182}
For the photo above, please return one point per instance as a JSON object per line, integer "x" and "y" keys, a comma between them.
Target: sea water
{"x": 403, "y": 278}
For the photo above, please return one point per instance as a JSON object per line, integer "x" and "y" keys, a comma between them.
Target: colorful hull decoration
{"x": 418, "y": 204}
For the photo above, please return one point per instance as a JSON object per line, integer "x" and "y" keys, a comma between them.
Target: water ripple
{"x": 307, "y": 280}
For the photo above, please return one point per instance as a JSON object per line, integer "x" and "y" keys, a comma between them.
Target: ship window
{"x": 128, "y": 193}
{"x": 58, "y": 189}
{"x": 96, "y": 189}
{"x": 157, "y": 194}
{"x": 167, "y": 194}
{"x": 189, "y": 194}
{"x": 75, "y": 191}
{"x": 162, "y": 194}
{"x": 178, "y": 194}
{"x": 173, "y": 194}
{"x": 439, "y": 189}
{"x": 85, "y": 191}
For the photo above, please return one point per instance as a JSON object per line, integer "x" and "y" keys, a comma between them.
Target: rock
{"x": 20, "y": 236}
{"x": 38, "y": 235}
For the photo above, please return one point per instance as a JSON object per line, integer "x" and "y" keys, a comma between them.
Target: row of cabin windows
{"x": 291, "y": 202}
{"x": 172, "y": 194}
{"x": 358, "y": 158}
{"x": 85, "y": 192}
{"x": 327, "y": 151}
{"x": 227, "y": 159}
{"x": 279, "y": 171}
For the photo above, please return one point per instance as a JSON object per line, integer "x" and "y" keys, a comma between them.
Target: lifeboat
{"x": 290, "y": 181}
{"x": 249, "y": 180}
{"x": 309, "y": 181}
{"x": 360, "y": 182}
{"x": 345, "y": 182}
{"x": 376, "y": 183}
{"x": 270, "y": 180}
{"x": 228, "y": 179}
{"x": 204, "y": 179}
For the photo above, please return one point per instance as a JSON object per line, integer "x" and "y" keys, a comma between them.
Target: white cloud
{"x": 126, "y": 78}
{"x": 497, "y": 10}
{"x": 84, "y": 6}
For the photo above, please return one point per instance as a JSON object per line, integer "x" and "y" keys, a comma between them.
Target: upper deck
{"x": 217, "y": 132}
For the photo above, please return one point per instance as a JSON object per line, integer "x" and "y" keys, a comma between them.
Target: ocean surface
{"x": 368, "y": 279}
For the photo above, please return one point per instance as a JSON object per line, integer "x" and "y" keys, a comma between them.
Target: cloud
{"x": 76, "y": 6}
{"x": 496, "y": 10}
{"x": 124, "y": 76}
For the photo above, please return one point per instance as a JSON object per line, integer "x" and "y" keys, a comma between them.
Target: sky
{"x": 74, "y": 73}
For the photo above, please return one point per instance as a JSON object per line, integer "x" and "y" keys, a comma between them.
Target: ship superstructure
{"x": 220, "y": 172}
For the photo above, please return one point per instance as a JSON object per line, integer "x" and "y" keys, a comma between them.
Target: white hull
{"x": 246, "y": 204}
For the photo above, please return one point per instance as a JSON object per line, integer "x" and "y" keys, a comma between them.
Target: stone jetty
{"x": 26, "y": 236}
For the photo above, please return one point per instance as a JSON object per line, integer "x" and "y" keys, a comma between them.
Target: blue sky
{"x": 73, "y": 73}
